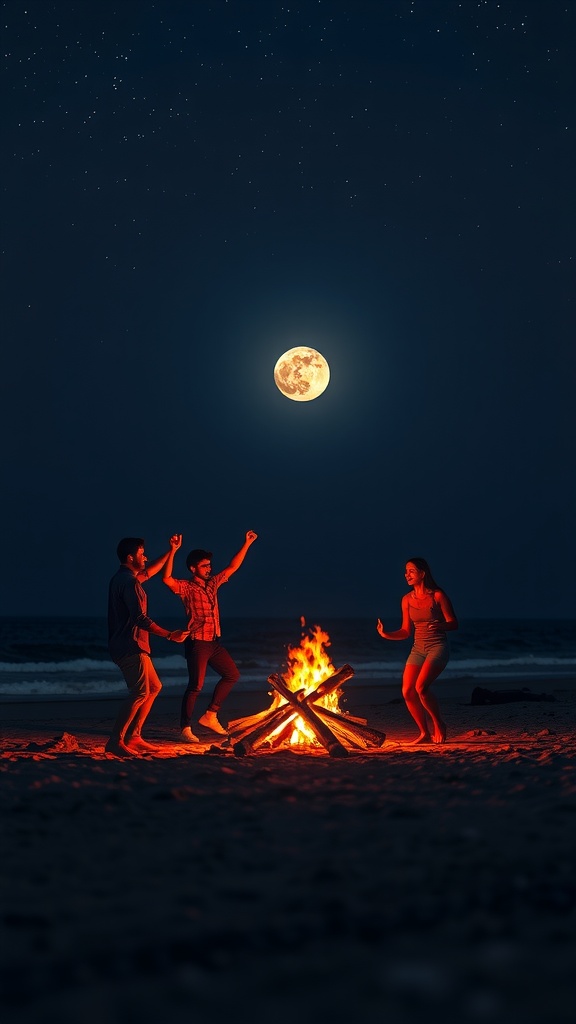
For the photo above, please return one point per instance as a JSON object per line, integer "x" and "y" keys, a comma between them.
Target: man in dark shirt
{"x": 129, "y": 626}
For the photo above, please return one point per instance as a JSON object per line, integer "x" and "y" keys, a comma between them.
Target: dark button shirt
{"x": 128, "y": 621}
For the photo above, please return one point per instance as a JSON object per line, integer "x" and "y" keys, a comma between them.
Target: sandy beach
{"x": 195, "y": 884}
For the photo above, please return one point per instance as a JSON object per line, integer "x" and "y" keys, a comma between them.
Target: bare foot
{"x": 424, "y": 737}
{"x": 439, "y": 733}
{"x": 119, "y": 749}
{"x": 138, "y": 744}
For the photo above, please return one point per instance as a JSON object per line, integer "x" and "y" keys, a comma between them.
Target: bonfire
{"x": 305, "y": 712}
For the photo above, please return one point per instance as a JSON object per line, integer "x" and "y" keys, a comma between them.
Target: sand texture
{"x": 411, "y": 883}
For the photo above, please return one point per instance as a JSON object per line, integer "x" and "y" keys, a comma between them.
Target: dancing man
{"x": 129, "y": 627}
{"x": 203, "y": 648}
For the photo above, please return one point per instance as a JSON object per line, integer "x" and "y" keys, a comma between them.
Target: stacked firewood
{"x": 336, "y": 731}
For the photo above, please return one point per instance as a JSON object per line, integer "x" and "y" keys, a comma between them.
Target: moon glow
{"x": 302, "y": 374}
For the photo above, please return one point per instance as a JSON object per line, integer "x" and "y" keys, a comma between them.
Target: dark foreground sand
{"x": 412, "y": 884}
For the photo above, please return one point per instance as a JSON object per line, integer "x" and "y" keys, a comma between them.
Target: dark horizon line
{"x": 268, "y": 618}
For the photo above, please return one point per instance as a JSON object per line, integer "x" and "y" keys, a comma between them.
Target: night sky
{"x": 191, "y": 188}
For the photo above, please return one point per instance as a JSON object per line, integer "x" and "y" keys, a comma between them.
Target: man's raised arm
{"x": 175, "y": 543}
{"x": 241, "y": 555}
{"x": 155, "y": 566}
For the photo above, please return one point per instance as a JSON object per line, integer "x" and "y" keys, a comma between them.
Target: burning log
{"x": 329, "y": 684}
{"x": 282, "y": 735}
{"x": 270, "y": 725}
{"x": 242, "y": 725}
{"x": 359, "y": 734}
{"x": 324, "y": 688}
{"x": 254, "y": 730}
{"x": 250, "y": 732}
{"x": 322, "y": 732}
{"x": 253, "y": 738}
{"x": 346, "y": 738}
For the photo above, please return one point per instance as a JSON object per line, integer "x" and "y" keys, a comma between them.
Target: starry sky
{"x": 191, "y": 187}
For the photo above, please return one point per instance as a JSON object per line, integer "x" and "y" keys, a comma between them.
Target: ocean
{"x": 52, "y": 658}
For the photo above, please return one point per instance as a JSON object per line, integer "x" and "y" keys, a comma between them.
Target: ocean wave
{"x": 525, "y": 661}
{"x": 79, "y": 687}
{"x": 176, "y": 663}
{"x": 66, "y": 688}
{"x": 82, "y": 665}
{"x": 74, "y": 687}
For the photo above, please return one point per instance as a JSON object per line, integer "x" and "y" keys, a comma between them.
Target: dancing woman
{"x": 428, "y": 611}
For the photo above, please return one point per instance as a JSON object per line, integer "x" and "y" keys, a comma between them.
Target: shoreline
{"x": 559, "y": 682}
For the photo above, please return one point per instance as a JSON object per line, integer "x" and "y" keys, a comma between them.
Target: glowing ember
{"x": 308, "y": 665}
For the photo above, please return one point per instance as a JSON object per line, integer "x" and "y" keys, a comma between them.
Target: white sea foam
{"x": 176, "y": 663}
{"x": 80, "y": 686}
{"x": 80, "y": 665}
{"x": 59, "y": 688}
{"x": 73, "y": 686}
{"x": 90, "y": 677}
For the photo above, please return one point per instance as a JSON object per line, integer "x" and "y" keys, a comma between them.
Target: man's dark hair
{"x": 197, "y": 555}
{"x": 128, "y": 546}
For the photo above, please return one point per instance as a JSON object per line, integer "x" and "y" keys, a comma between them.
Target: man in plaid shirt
{"x": 203, "y": 648}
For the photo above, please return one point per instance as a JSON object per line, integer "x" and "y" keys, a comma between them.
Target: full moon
{"x": 302, "y": 374}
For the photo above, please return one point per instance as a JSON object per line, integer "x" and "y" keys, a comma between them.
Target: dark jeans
{"x": 199, "y": 654}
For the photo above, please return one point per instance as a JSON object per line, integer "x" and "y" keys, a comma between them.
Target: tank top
{"x": 421, "y": 615}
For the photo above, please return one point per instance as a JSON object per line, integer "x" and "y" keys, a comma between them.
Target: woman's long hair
{"x": 428, "y": 581}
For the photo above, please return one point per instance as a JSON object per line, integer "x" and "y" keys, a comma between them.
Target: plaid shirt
{"x": 201, "y": 604}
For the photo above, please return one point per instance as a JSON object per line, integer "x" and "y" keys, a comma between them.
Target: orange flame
{"x": 308, "y": 665}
